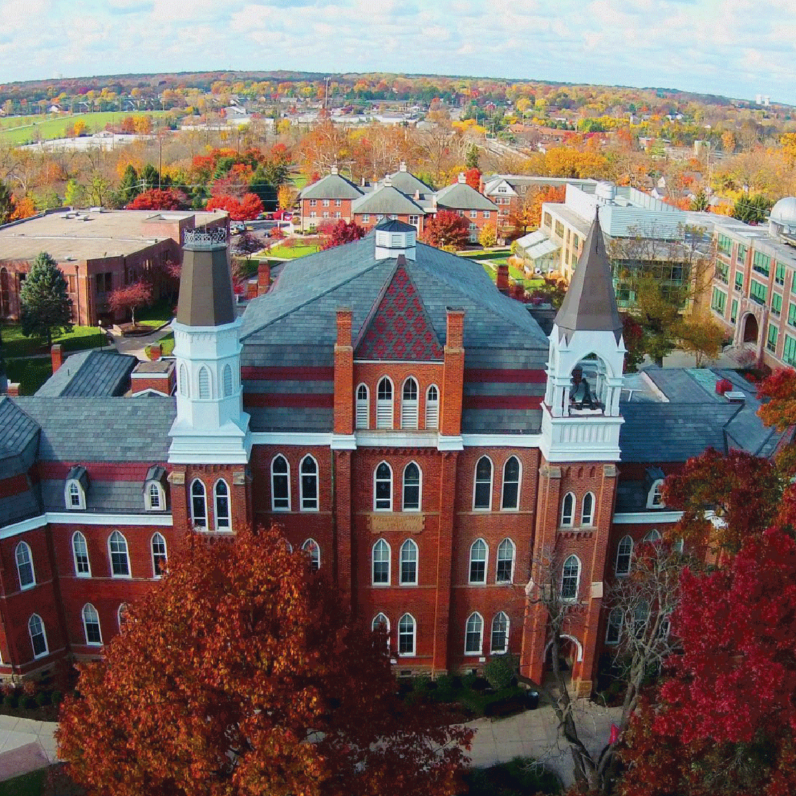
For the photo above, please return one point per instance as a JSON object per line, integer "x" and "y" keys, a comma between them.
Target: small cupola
{"x": 334, "y": 169}
{"x": 393, "y": 238}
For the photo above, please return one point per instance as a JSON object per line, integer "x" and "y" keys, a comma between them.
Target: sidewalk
{"x": 135, "y": 346}
{"x": 25, "y": 745}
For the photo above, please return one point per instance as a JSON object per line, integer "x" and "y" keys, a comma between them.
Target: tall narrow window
{"x": 27, "y": 577}
{"x": 309, "y": 484}
{"x": 121, "y": 616}
{"x": 568, "y": 510}
{"x": 155, "y": 499}
{"x": 363, "y": 407}
{"x": 570, "y": 578}
{"x": 482, "y": 498}
{"x": 204, "y": 382}
{"x": 91, "y": 625}
{"x": 75, "y": 495}
{"x": 587, "y": 515}
{"x": 511, "y": 484}
{"x": 613, "y": 632}
{"x": 478, "y": 559}
{"x": 311, "y": 548}
{"x": 500, "y": 633}
{"x": 120, "y": 557}
{"x": 411, "y": 487}
{"x": 653, "y": 536}
{"x": 432, "y": 407}
{"x": 655, "y": 496}
{"x": 198, "y": 505}
{"x": 382, "y": 489}
{"x": 80, "y": 555}
{"x": 384, "y": 408}
{"x": 185, "y": 387}
{"x": 158, "y": 555}
{"x": 624, "y": 554}
{"x": 227, "y": 380}
{"x": 381, "y": 622}
{"x": 280, "y": 484}
{"x": 381, "y": 563}
{"x": 505, "y": 562}
{"x": 407, "y": 633}
{"x": 409, "y": 404}
{"x": 38, "y": 636}
{"x": 221, "y": 504}
{"x": 408, "y": 563}
{"x": 474, "y": 635}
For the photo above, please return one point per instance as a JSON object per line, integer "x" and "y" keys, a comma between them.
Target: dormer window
{"x": 653, "y": 480}
{"x": 75, "y": 489}
{"x": 154, "y": 489}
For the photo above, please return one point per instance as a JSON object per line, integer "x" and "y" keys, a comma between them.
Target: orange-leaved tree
{"x": 237, "y": 675}
{"x": 447, "y": 229}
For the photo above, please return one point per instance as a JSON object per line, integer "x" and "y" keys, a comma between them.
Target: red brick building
{"x": 409, "y": 427}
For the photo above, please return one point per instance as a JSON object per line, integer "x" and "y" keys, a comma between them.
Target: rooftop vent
{"x": 735, "y": 396}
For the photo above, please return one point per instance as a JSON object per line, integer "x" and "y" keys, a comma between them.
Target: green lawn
{"x": 29, "y": 373}
{"x": 489, "y": 254}
{"x": 157, "y": 315}
{"x": 519, "y": 775}
{"x": 15, "y": 344}
{"x": 21, "y": 129}
{"x": 27, "y": 785}
{"x": 299, "y": 181}
{"x": 166, "y": 345}
{"x": 293, "y": 252}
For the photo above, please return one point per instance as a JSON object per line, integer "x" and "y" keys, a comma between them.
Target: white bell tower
{"x": 211, "y": 426}
{"x": 580, "y": 414}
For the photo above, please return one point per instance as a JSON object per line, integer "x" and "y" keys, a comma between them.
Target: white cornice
{"x": 82, "y": 518}
{"x": 502, "y": 440}
{"x": 646, "y": 517}
{"x": 320, "y": 439}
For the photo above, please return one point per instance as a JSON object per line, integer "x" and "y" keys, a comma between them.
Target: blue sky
{"x": 738, "y": 48}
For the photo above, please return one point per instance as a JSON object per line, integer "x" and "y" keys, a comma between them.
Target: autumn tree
{"x": 473, "y": 177}
{"x": 245, "y": 209}
{"x": 6, "y": 204}
{"x": 700, "y": 335}
{"x": 156, "y": 199}
{"x": 130, "y": 297}
{"x": 447, "y": 229}
{"x": 238, "y": 675}
{"x": 46, "y": 309}
{"x": 342, "y": 232}
{"x": 778, "y": 393}
{"x": 286, "y": 196}
{"x": 246, "y": 243}
{"x": 633, "y": 337}
{"x": 487, "y": 237}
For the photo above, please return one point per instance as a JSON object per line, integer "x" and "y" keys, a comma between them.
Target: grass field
{"x": 23, "y": 129}
{"x": 15, "y": 344}
{"x": 27, "y": 785}
{"x": 293, "y": 252}
{"x": 30, "y": 374}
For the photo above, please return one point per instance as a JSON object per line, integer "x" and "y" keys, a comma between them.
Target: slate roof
{"x": 461, "y": 196}
{"x": 387, "y": 200}
{"x": 408, "y": 183}
{"x": 332, "y": 186}
{"x": 90, "y": 373}
{"x": 18, "y": 430}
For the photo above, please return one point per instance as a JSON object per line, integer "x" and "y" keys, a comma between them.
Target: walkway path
{"x": 25, "y": 745}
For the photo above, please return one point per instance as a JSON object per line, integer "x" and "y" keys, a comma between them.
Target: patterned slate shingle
{"x": 90, "y": 373}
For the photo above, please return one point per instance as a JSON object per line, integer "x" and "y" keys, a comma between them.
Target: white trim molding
{"x": 301, "y": 439}
{"x": 501, "y": 440}
{"x": 71, "y": 518}
{"x": 396, "y": 439}
{"x": 343, "y": 442}
{"x": 646, "y": 517}
{"x": 450, "y": 443}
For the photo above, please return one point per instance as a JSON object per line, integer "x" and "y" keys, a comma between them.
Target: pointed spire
{"x": 590, "y": 303}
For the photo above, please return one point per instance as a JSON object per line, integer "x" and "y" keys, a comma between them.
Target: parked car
{"x": 283, "y": 215}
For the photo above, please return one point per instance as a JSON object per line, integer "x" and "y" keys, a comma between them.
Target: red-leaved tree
{"x": 473, "y": 178}
{"x": 157, "y": 199}
{"x": 130, "y": 297}
{"x": 237, "y": 675}
{"x": 245, "y": 209}
{"x": 447, "y": 229}
{"x": 342, "y": 232}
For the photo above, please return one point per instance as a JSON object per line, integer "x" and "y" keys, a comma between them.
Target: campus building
{"x": 411, "y": 429}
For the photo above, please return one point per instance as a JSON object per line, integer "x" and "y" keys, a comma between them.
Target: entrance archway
{"x": 750, "y": 329}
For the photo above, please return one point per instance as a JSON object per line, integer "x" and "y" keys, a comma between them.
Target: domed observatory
{"x": 782, "y": 220}
{"x": 580, "y": 415}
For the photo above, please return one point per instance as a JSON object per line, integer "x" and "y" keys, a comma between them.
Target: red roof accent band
{"x": 99, "y": 471}
{"x": 293, "y": 400}
{"x": 15, "y": 485}
{"x": 505, "y": 375}
{"x": 502, "y": 401}
{"x": 287, "y": 374}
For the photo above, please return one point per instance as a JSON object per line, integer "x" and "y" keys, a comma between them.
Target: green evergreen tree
{"x": 752, "y": 209}
{"x": 46, "y": 306}
{"x": 471, "y": 160}
{"x": 130, "y": 186}
{"x": 6, "y": 203}
{"x": 74, "y": 194}
{"x": 266, "y": 180}
{"x": 149, "y": 177}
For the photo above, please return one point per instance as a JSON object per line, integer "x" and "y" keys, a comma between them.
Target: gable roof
{"x": 407, "y": 183}
{"x": 332, "y": 186}
{"x": 461, "y": 196}
{"x": 387, "y": 200}
{"x": 90, "y": 373}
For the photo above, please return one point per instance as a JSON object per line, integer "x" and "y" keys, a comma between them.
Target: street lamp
{"x": 102, "y": 333}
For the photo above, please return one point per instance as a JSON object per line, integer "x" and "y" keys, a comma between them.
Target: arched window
{"x": 311, "y": 548}
{"x": 38, "y": 636}
{"x": 478, "y": 560}
{"x": 120, "y": 557}
{"x": 407, "y": 633}
{"x": 380, "y": 621}
{"x": 158, "y": 555}
{"x": 409, "y": 404}
{"x": 384, "y": 406}
{"x": 432, "y": 407}
{"x": 91, "y": 625}
{"x": 640, "y": 616}
{"x": 280, "y": 484}
{"x": 624, "y": 555}
{"x": 221, "y": 502}
{"x": 504, "y": 572}
{"x": 655, "y": 496}
{"x": 382, "y": 488}
{"x": 408, "y": 563}
{"x": 568, "y": 510}
{"x": 309, "y": 483}
{"x": 411, "y": 487}
{"x": 511, "y": 484}
{"x": 227, "y": 380}
{"x": 185, "y": 384}
{"x": 198, "y": 505}
{"x": 653, "y": 536}
{"x": 363, "y": 407}
{"x": 482, "y": 497}
{"x": 75, "y": 495}
{"x": 80, "y": 555}
{"x": 155, "y": 496}
{"x": 587, "y": 515}
{"x": 27, "y": 577}
{"x": 474, "y": 634}
{"x": 204, "y": 382}
{"x": 121, "y": 616}
{"x": 613, "y": 632}
{"x": 570, "y": 578}
{"x": 381, "y": 563}
{"x": 500, "y": 633}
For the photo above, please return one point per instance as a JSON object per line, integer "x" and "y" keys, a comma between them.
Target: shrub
{"x": 11, "y": 700}
{"x": 28, "y": 702}
{"x": 56, "y": 697}
{"x": 42, "y": 698}
{"x": 29, "y": 687}
{"x": 469, "y": 680}
{"x": 500, "y": 671}
{"x": 421, "y": 683}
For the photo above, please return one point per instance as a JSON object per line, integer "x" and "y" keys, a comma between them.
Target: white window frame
{"x": 285, "y": 475}
{"x": 487, "y": 214}
{"x": 201, "y": 526}
{"x": 419, "y": 506}
{"x": 376, "y": 481}
{"x": 121, "y": 612}
{"x": 86, "y": 623}
{"x": 513, "y": 558}
{"x": 362, "y": 407}
{"x": 78, "y": 573}
{"x": 476, "y": 482}
{"x": 573, "y": 598}
{"x": 568, "y": 518}
{"x": 494, "y": 650}
{"x": 432, "y": 408}
{"x": 366, "y": 218}
{"x": 474, "y": 617}
{"x": 587, "y": 520}
{"x": 119, "y": 576}
{"x": 409, "y": 545}
{"x": 316, "y": 475}
{"x": 313, "y": 202}
{"x": 653, "y": 536}
{"x": 157, "y": 573}
{"x": 413, "y": 651}
{"x": 613, "y": 624}
{"x": 161, "y": 492}
{"x": 199, "y": 386}
{"x": 43, "y": 633}
{"x": 624, "y": 549}
{"x": 79, "y": 492}
{"x": 314, "y": 550}
{"x": 338, "y": 202}
{"x": 375, "y": 623}
{"x": 228, "y": 527}
{"x": 325, "y": 203}
{"x": 473, "y": 214}
{"x": 410, "y": 407}
{"x": 471, "y": 561}
{"x": 24, "y": 548}
{"x": 503, "y": 485}
{"x": 379, "y": 543}
{"x": 654, "y": 496}
{"x": 385, "y": 408}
